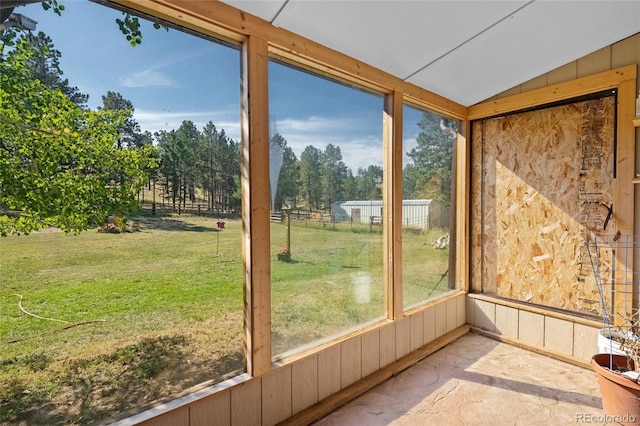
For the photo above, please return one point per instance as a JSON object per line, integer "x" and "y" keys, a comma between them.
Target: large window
{"x": 144, "y": 303}
{"x": 426, "y": 206}
{"x": 326, "y": 202}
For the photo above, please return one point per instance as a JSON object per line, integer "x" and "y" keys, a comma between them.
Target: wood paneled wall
{"x": 304, "y": 389}
{"x": 556, "y": 334}
{"x": 623, "y": 53}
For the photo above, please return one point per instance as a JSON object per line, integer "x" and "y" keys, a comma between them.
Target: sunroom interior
{"x": 519, "y": 204}
{"x": 539, "y": 101}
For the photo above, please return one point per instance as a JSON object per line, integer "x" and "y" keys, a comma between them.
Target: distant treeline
{"x": 204, "y": 165}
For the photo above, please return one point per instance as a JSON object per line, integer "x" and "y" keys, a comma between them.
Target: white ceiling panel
{"x": 264, "y": 9}
{"x": 539, "y": 38}
{"x": 466, "y": 51}
{"x": 399, "y": 37}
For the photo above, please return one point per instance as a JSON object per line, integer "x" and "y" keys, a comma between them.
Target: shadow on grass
{"x": 125, "y": 381}
{"x": 173, "y": 224}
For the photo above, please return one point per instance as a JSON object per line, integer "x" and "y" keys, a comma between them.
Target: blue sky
{"x": 174, "y": 76}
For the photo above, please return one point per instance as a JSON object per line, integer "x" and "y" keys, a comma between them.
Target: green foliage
{"x": 130, "y": 135}
{"x": 289, "y": 173}
{"x": 429, "y": 176}
{"x": 173, "y": 308}
{"x": 46, "y": 68}
{"x": 129, "y": 25}
{"x": 130, "y": 28}
{"x": 333, "y": 172}
{"x": 207, "y": 160}
{"x": 53, "y": 5}
{"x": 310, "y": 186}
{"x": 59, "y": 165}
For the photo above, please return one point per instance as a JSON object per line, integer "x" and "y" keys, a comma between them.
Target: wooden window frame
{"x": 260, "y": 41}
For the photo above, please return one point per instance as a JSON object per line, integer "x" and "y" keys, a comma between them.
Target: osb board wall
{"x": 540, "y": 181}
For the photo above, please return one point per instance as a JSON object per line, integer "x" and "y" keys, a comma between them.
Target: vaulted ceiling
{"x": 466, "y": 51}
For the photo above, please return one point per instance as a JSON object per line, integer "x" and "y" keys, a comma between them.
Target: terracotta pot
{"x": 620, "y": 395}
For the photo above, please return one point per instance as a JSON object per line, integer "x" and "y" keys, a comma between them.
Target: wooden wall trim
{"x": 522, "y": 306}
{"x": 329, "y": 404}
{"x": 624, "y": 81}
{"x": 392, "y": 139}
{"x": 582, "y": 86}
{"x": 518, "y": 343}
{"x": 462, "y": 193}
{"x": 626, "y": 133}
{"x": 256, "y": 203}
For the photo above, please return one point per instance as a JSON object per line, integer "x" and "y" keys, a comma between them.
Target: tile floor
{"x": 479, "y": 381}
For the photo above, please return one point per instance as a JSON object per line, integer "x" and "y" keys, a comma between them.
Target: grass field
{"x": 96, "y": 324}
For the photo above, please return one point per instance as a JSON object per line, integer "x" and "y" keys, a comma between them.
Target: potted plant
{"x": 619, "y": 374}
{"x": 284, "y": 254}
{"x": 609, "y": 341}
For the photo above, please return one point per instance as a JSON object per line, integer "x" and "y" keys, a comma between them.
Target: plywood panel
{"x": 547, "y": 176}
{"x": 214, "y": 408}
{"x": 304, "y": 378}
{"x": 276, "y": 396}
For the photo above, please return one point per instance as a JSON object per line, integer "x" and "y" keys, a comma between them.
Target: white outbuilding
{"x": 422, "y": 214}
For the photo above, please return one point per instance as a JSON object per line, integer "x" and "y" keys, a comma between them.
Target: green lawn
{"x": 133, "y": 317}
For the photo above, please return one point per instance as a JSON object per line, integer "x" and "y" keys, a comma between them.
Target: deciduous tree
{"x": 59, "y": 165}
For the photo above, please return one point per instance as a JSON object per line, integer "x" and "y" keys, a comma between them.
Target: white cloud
{"x": 358, "y": 145}
{"x": 152, "y": 77}
{"x": 148, "y": 78}
{"x": 311, "y": 124}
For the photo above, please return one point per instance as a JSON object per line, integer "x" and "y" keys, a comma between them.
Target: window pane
{"x": 141, "y": 305}
{"x": 427, "y": 202}
{"x": 326, "y": 196}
